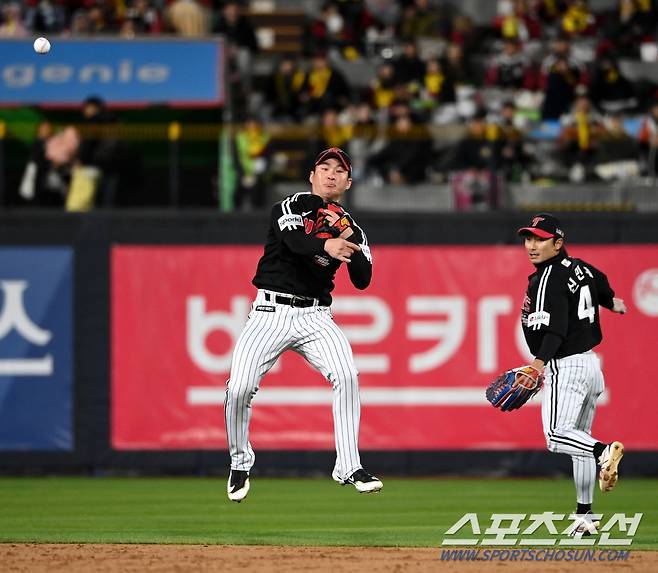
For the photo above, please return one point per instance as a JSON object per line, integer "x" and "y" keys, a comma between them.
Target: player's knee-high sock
{"x": 584, "y": 476}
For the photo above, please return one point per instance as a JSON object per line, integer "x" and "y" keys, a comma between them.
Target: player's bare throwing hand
{"x": 310, "y": 235}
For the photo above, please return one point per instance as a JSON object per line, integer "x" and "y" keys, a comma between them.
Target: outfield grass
{"x": 408, "y": 512}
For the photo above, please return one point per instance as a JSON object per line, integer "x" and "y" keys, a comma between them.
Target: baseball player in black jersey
{"x": 309, "y": 236}
{"x": 560, "y": 319}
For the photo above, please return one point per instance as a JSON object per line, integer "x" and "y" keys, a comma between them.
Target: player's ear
{"x": 349, "y": 183}
{"x": 310, "y": 176}
{"x": 558, "y": 243}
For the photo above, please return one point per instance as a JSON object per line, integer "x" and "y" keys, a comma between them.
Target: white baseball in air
{"x": 41, "y": 46}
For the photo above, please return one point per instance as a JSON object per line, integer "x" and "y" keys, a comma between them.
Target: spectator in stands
{"x": 618, "y": 154}
{"x": 457, "y": 67}
{"x": 325, "y": 87}
{"x": 511, "y": 69}
{"x": 47, "y": 175}
{"x": 236, "y": 27}
{"x": 473, "y": 165}
{"x": 436, "y": 88}
{"x": 560, "y": 75}
{"x": 405, "y": 157}
{"x": 382, "y": 88}
{"x": 409, "y": 69}
{"x": 333, "y": 131}
{"x": 358, "y": 22}
{"x": 240, "y": 47}
{"x": 364, "y": 133}
{"x": 105, "y": 156}
{"x": 580, "y": 135}
{"x": 45, "y": 17}
{"x": 283, "y": 90}
{"x": 386, "y": 12}
{"x": 144, "y": 18}
{"x": 328, "y": 30}
{"x": 475, "y": 150}
{"x": 252, "y": 142}
{"x": 420, "y": 19}
{"x": 12, "y": 23}
{"x": 515, "y": 21}
{"x": 648, "y": 140}
{"x": 93, "y": 18}
{"x": 188, "y": 18}
{"x": 637, "y": 22}
{"x": 550, "y": 12}
{"x": 80, "y": 23}
{"x": 578, "y": 20}
{"x": 102, "y": 19}
{"x": 509, "y": 144}
{"x": 611, "y": 91}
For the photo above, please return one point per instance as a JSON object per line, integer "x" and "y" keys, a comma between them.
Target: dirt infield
{"x": 74, "y": 558}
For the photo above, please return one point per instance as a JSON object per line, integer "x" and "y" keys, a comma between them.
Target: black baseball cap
{"x": 543, "y": 225}
{"x": 337, "y": 153}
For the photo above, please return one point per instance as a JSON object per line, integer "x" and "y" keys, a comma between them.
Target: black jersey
{"x": 563, "y": 298}
{"x": 295, "y": 261}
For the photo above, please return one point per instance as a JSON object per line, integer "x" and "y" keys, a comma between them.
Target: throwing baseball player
{"x": 560, "y": 319}
{"x": 310, "y": 235}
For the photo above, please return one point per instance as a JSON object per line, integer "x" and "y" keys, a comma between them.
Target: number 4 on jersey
{"x": 585, "y": 307}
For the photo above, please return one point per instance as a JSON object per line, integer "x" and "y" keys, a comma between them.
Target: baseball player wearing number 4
{"x": 310, "y": 235}
{"x": 560, "y": 319}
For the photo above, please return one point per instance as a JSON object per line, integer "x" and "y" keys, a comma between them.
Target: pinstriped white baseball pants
{"x": 571, "y": 389}
{"x": 312, "y": 333}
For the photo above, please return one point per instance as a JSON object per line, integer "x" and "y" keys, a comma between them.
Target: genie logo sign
{"x": 36, "y": 348}
{"x": 120, "y": 71}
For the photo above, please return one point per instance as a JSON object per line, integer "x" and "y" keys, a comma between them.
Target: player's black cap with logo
{"x": 543, "y": 225}
{"x": 336, "y": 153}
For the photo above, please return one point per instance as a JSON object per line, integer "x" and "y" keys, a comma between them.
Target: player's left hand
{"x": 512, "y": 389}
{"x": 528, "y": 376}
{"x": 618, "y": 306}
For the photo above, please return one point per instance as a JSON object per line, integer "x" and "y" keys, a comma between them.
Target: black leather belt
{"x": 293, "y": 301}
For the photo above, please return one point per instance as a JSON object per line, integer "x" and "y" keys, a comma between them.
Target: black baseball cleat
{"x": 238, "y": 485}
{"x": 364, "y": 482}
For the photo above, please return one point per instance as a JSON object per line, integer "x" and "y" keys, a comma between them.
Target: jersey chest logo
{"x": 308, "y": 225}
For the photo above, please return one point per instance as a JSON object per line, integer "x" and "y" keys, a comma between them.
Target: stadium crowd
{"x": 541, "y": 92}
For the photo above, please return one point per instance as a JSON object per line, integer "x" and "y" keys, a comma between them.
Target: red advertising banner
{"x": 434, "y": 328}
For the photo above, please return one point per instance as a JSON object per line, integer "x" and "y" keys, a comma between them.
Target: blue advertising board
{"x": 122, "y": 72}
{"x": 36, "y": 348}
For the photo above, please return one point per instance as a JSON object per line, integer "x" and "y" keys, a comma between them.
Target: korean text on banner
{"x": 426, "y": 343}
{"x": 36, "y": 349}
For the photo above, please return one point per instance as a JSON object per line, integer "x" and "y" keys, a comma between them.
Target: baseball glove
{"x": 514, "y": 388}
{"x": 324, "y": 229}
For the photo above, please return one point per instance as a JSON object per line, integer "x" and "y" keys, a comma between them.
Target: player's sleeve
{"x": 603, "y": 288}
{"x": 551, "y": 309}
{"x": 550, "y": 344}
{"x": 360, "y": 267}
{"x": 288, "y": 224}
